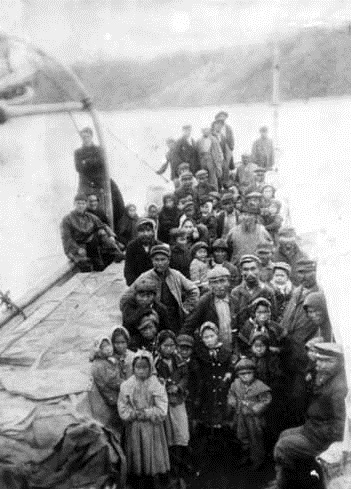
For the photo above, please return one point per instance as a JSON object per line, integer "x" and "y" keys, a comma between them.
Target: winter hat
{"x": 263, "y": 336}
{"x": 260, "y": 301}
{"x": 185, "y": 340}
{"x": 249, "y": 258}
{"x": 96, "y": 349}
{"x": 145, "y": 284}
{"x": 80, "y": 197}
{"x": 161, "y": 249}
{"x": 218, "y": 272}
{"x": 120, "y": 331}
{"x": 244, "y": 365}
{"x": 220, "y": 244}
{"x": 306, "y": 265}
{"x": 198, "y": 246}
{"x": 145, "y": 222}
{"x": 208, "y": 325}
{"x": 164, "y": 335}
{"x": 201, "y": 173}
{"x": 151, "y": 317}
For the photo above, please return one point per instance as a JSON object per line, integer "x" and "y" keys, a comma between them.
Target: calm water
{"x": 38, "y": 179}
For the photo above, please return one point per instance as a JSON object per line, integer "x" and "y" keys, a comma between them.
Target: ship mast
{"x": 276, "y": 101}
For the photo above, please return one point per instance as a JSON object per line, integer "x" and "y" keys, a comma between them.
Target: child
{"x": 260, "y": 321}
{"x": 172, "y": 371}
{"x": 148, "y": 329}
{"x": 282, "y": 286}
{"x": 271, "y": 219}
{"x": 152, "y": 213}
{"x": 199, "y": 266}
{"x": 180, "y": 252}
{"x": 168, "y": 218}
{"x": 107, "y": 377}
{"x": 194, "y": 232}
{"x": 207, "y": 218}
{"x": 248, "y": 398}
{"x": 264, "y": 251}
{"x": 141, "y": 301}
{"x": 220, "y": 252}
{"x": 143, "y": 405}
{"x": 128, "y": 225}
{"x": 216, "y": 201}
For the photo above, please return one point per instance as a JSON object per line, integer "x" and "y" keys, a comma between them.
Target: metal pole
{"x": 276, "y": 102}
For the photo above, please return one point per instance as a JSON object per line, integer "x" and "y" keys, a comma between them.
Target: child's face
{"x": 144, "y": 298}
{"x": 262, "y": 314}
{"x": 149, "y": 331}
{"x": 206, "y": 208}
{"x": 258, "y": 348}
{"x": 188, "y": 227}
{"x": 167, "y": 348}
{"x": 185, "y": 351}
{"x": 280, "y": 277}
{"x": 268, "y": 193}
{"x": 220, "y": 255}
{"x": 153, "y": 212}
{"x": 106, "y": 349}
{"x": 202, "y": 179}
{"x": 142, "y": 369}
{"x": 201, "y": 254}
{"x": 132, "y": 211}
{"x": 181, "y": 240}
{"x": 210, "y": 338}
{"x": 169, "y": 203}
{"x": 273, "y": 210}
{"x": 246, "y": 377}
{"x": 264, "y": 256}
{"x": 120, "y": 345}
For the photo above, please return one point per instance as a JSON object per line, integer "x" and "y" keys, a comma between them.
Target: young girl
{"x": 142, "y": 405}
{"x": 168, "y": 218}
{"x": 128, "y": 225}
{"x": 194, "y": 232}
{"x": 172, "y": 371}
{"x": 248, "y": 398}
{"x": 199, "y": 265}
{"x": 147, "y": 333}
{"x": 282, "y": 286}
{"x": 108, "y": 372}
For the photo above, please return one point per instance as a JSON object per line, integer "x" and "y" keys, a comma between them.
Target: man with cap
{"x": 211, "y": 156}
{"x": 85, "y": 240}
{"x": 264, "y": 251}
{"x": 244, "y": 238}
{"x": 300, "y": 329}
{"x": 251, "y": 288}
{"x": 282, "y": 286}
{"x": 228, "y": 218}
{"x": 228, "y": 135}
{"x": 89, "y": 163}
{"x": 253, "y": 201}
{"x": 245, "y": 176}
{"x": 185, "y": 150}
{"x": 203, "y": 187}
{"x": 217, "y": 307}
{"x": 220, "y": 258}
{"x": 176, "y": 292}
{"x": 324, "y": 422}
{"x": 186, "y": 188}
{"x": 288, "y": 251}
{"x": 138, "y": 258}
{"x": 262, "y": 150}
{"x": 259, "y": 181}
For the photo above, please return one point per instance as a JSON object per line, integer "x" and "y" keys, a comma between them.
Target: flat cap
{"x": 306, "y": 265}
{"x": 80, "y": 197}
{"x": 266, "y": 246}
{"x": 218, "y": 272}
{"x": 145, "y": 221}
{"x": 244, "y": 365}
{"x": 228, "y": 197}
{"x": 259, "y": 169}
{"x": 329, "y": 350}
{"x": 161, "y": 249}
{"x": 281, "y": 265}
{"x": 208, "y": 325}
{"x": 186, "y": 175}
{"x": 198, "y": 246}
{"x": 221, "y": 115}
{"x": 201, "y": 173}
{"x": 220, "y": 244}
{"x": 249, "y": 258}
{"x": 253, "y": 195}
{"x": 185, "y": 340}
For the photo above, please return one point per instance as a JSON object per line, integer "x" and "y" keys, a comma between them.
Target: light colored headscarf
{"x": 96, "y": 349}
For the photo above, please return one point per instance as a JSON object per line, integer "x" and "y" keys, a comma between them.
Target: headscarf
{"x": 96, "y": 349}
{"x": 120, "y": 331}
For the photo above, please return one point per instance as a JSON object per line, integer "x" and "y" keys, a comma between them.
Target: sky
{"x": 85, "y": 29}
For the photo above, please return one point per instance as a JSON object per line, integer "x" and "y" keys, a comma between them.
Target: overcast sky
{"x": 81, "y": 29}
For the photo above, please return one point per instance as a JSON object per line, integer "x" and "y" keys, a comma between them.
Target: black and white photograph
{"x": 175, "y": 244}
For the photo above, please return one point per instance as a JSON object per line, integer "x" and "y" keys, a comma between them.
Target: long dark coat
{"x": 185, "y": 152}
{"x": 178, "y": 376}
{"x": 132, "y": 314}
{"x": 181, "y": 259}
{"x": 137, "y": 261}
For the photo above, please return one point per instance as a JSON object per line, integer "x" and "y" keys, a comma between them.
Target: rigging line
{"x": 142, "y": 160}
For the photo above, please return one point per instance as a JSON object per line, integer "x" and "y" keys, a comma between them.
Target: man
{"x": 300, "y": 329}
{"x": 228, "y": 218}
{"x": 138, "y": 257}
{"x": 85, "y": 240}
{"x": 259, "y": 181}
{"x": 186, "y": 187}
{"x": 262, "y": 150}
{"x": 216, "y": 131}
{"x": 297, "y": 448}
{"x": 203, "y": 187}
{"x": 245, "y": 176}
{"x": 244, "y": 238}
{"x": 216, "y": 306}
{"x": 176, "y": 292}
{"x": 289, "y": 252}
{"x": 220, "y": 258}
{"x": 264, "y": 251}
{"x": 253, "y": 201}
{"x": 228, "y": 134}
{"x": 250, "y": 289}
{"x": 170, "y": 160}
{"x": 90, "y": 165}
{"x": 211, "y": 156}
{"x": 185, "y": 150}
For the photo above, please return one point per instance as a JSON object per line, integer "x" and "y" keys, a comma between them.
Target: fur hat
{"x": 244, "y": 365}
{"x": 186, "y": 340}
{"x": 198, "y": 246}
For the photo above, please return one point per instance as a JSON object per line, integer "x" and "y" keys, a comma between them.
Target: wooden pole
{"x": 276, "y": 102}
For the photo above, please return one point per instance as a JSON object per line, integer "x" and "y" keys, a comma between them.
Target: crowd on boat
{"x": 225, "y": 332}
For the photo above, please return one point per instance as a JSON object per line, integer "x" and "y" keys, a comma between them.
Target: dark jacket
{"x": 291, "y": 259}
{"x": 317, "y": 301}
{"x": 89, "y": 164}
{"x": 325, "y": 417}
{"x": 274, "y": 330}
{"x": 177, "y": 376}
{"x": 137, "y": 261}
{"x": 127, "y": 228}
{"x": 167, "y": 219}
{"x": 242, "y": 300}
{"x": 211, "y": 223}
{"x": 132, "y": 314}
{"x": 181, "y": 259}
{"x": 77, "y": 229}
{"x": 185, "y": 152}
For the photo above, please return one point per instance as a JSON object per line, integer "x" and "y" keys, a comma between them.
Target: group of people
{"x": 225, "y": 330}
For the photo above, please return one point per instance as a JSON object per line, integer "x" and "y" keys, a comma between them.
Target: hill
{"x": 314, "y": 63}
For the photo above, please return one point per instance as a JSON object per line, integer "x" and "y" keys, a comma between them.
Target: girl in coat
{"x": 110, "y": 367}
{"x": 248, "y": 398}
{"x": 143, "y": 405}
{"x": 199, "y": 266}
{"x": 172, "y": 371}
